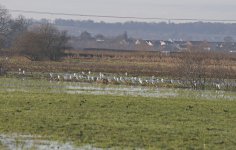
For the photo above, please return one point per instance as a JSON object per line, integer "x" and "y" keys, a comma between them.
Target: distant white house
{"x": 137, "y": 42}
{"x": 149, "y": 43}
{"x": 124, "y": 42}
{"x": 100, "y": 40}
{"x": 170, "y": 40}
{"x": 165, "y": 52}
{"x": 207, "y": 48}
{"x": 163, "y": 43}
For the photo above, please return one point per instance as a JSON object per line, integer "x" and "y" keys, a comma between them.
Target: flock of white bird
{"x": 121, "y": 79}
{"x": 111, "y": 78}
{"x": 107, "y": 78}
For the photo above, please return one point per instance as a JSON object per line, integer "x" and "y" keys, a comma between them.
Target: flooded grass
{"x": 117, "y": 115}
{"x": 45, "y": 86}
{"x": 120, "y": 121}
{"x": 29, "y": 142}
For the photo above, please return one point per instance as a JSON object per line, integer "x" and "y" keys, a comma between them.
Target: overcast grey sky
{"x": 204, "y": 9}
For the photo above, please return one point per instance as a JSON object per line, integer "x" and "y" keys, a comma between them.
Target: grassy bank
{"x": 124, "y": 122}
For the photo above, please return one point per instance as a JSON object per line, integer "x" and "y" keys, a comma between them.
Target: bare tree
{"x": 4, "y": 24}
{"x": 43, "y": 42}
{"x": 17, "y": 27}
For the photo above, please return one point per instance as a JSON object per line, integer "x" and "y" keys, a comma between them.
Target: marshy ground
{"x": 183, "y": 121}
{"x": 118, "y": 115}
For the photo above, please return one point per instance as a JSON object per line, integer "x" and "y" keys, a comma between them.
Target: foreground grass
{"x": 123, "y": 122}
{"x": 2, "y": 147}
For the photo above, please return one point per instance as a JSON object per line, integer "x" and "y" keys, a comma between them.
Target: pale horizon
{"x": 210, "y": 9}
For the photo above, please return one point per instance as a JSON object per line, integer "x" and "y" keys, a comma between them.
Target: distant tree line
{"x": 159, "y": 31}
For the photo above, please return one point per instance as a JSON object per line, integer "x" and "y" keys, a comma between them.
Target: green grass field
{"x": 121, "y": 121}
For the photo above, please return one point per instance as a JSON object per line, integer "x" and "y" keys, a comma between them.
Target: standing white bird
{"x": 51, "y": 75}
{"x": 70, "y": 77}
{"x": 162, "y": 80}
{"x": 19, "y": 70}
{"x": 140, "y": 81}
{"x": 58, "y": 77}
{"x": 218, "y": 86}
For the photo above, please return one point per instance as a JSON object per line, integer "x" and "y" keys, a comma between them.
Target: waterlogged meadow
{"x": 45, "y": 86}
{"x": 89, "y": 116}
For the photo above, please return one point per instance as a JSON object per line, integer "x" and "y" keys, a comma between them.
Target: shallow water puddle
{"x": 120, "y": 91}
{"x": 84, "y": 88}
{"x": 27, "y": 142}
